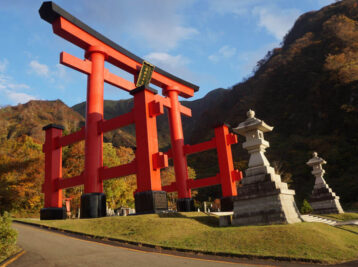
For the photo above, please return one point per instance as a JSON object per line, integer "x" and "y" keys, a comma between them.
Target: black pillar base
{"x": 93, "y": 205}
{"x": 53, "y": 214}
{"x": 185, "y": 204}
{"x": 150, "y": 202}
{"x": 227, "y": 203}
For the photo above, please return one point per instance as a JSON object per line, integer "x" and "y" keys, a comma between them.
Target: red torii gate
{"x": 149, "y": 196}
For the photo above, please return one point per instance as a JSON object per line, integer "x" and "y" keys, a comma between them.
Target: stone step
{"x": 311, "y": 218}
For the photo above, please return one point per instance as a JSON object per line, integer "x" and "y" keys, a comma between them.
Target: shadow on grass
{"x": 204, "y": 219}
{"x": 351, "y": 231}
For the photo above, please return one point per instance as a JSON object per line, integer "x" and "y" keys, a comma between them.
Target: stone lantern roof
{"x": 252, "y": 123}
{"x": 315, "y": 160}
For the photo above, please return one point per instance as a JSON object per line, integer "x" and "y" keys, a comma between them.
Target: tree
{"x": 21, "y": 175}
{"x": 168, "y": 176}
{"x": 119, "y": 191}
{"x": 73, "y": 164}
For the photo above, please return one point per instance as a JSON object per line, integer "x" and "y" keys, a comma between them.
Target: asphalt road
{"x": 47, "y": 248}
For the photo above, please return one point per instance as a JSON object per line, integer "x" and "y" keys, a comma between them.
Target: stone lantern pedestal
{"x": 323, "y": 200}
{"x": 263, "y": 197}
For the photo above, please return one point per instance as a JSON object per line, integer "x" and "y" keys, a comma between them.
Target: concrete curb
{"x": 12, "y": 258}
{"x": 229, "y": 257}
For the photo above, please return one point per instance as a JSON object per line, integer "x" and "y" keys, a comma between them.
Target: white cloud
{"x": 19, "y": 97}
{"x": 249, "y": 59}
{"x": 167, "y": 60}
{"x": 39, "y": 69}
{"x": 17, "y": 86}
{"x": 227, "y": 51}
{"x": 10, "y": 90}
{"x": 158, "y": 24}
{"x": 60, "y": 71}
{"x": 276, "y": 21}
{"x": 224, "y": 52}
{"x": 56, "y": 75}
{"x": 3, "y": 65}
{"x": 237, "y": 7}
{"x": 177, "y": 65}
{"x": 325, "y": 2}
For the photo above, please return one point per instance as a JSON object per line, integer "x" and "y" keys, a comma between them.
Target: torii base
{"x": 53, "y": 214}
{"x": 185, "y": 204}
{"x": 150, "y": 202}
{"x": 93, "y": 205}
{"x": 227, "y": 203}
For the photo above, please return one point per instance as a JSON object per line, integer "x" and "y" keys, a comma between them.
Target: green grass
{"x": 12, "y": 250}
{"x": 197, "y": 231}
{"x": 342, "y": 217}
{"x": 8, "y": 237}
{"x": 350, "y": 228}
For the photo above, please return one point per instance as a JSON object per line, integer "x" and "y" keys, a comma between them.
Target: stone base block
{"x": 274, "y": 209}
{"x": 324, "y": 201}
{"x": 53, "y": 214}
{"x": 227, "y": 203}
{"x": 150, "y": 202}
{"x": 185, "y": 204}
{"x": 93, "y": 205}
{"x": 326, "y": 207}
{"x": 225, "y": 220}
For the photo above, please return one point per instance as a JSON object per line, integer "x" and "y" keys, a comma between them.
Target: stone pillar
{"x": 323, "y": 200}
{"x": 263, "y": 198}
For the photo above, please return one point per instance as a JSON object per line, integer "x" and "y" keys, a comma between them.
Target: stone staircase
{"x": 225, "y": 219}
{"x": 314, "y": 218}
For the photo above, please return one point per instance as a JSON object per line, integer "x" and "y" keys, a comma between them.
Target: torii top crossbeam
{"x": 80, "y": 34}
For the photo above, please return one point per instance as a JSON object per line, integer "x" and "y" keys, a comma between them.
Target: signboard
{"x": 145, "y": 74}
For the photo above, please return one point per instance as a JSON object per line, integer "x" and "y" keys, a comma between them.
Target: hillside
{"x": 307, "y": 89}
{"x": 28, "y": 119}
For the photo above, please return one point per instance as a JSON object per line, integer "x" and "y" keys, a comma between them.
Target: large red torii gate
{"x": 149, "y": 196}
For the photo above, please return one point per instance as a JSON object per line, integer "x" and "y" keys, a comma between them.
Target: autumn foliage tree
{"x": 22, "y": 165}
{"x": 21, "y": 174}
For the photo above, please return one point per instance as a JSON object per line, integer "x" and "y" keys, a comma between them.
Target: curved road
{"x": 48, "y": 248}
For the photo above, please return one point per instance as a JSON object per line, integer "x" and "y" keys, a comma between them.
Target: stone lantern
{"x": 323, "y": 200}
{"x": 253, "y": 129}
{"x": 263, "y": 198}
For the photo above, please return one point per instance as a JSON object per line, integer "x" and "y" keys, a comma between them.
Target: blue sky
{"x": 212, "y": 43}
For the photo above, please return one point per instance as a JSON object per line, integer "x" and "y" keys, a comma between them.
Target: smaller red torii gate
{"x": 227, "y": 177}
{"x": 149, "y": 196}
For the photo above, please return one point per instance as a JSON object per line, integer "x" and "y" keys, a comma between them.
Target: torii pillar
{"x": 93, "y": 201}
{"x": 185, "y": 201}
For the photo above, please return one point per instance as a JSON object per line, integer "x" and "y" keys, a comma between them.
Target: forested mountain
{"x": 28, "y": 119}
{"x": 308, "y": 90}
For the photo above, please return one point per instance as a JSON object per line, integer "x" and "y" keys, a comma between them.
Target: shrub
{"x": 7, "y": 236}
{"x": 306, "y": 207}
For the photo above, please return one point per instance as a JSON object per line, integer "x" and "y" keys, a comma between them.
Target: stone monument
{"x": 263, "y": 197}
{"x": 323, "y": 200}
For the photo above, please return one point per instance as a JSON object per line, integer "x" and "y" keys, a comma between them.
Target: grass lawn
{"x": 342, "y": 217}
{"x": 350, "y": 228}
{"x": 197, "y": 231}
